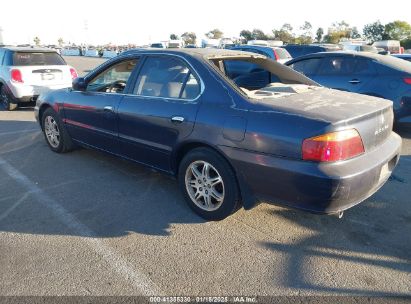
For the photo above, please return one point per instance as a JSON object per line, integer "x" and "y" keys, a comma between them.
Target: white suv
{"x": 25, "y": 73}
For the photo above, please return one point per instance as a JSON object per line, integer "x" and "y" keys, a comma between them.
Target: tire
{"x": 6, "y": 99}
{"x": 208, "y": 166}
{"x": 55, "y": 132}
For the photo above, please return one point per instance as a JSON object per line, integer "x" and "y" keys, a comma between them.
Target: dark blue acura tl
{"x": 232, "y": 138}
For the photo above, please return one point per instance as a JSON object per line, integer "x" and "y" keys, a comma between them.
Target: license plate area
{"x": 47, "y": 76}
{"x": 387, "y": 168}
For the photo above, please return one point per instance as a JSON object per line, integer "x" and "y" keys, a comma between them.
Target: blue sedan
{"x": 361, "y": 72}
{"x": 228, "y": 141}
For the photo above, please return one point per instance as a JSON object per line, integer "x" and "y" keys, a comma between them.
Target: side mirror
{"x": 79, "y": 84}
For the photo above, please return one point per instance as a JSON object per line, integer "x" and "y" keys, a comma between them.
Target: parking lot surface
{"x": 85, "y": 223}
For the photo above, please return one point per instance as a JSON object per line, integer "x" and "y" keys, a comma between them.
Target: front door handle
{"x": 354, "y": 81}
{"x": 177, "y": 119}
{"x": 108, "y": 109}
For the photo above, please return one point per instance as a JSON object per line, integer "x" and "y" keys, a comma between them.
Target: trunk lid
{"x": 329, "y": 110}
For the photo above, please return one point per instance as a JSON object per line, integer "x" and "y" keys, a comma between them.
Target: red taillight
{"x": 407, "y": 80}
{"x": 16, "y": 76}
{"x": 73, "y": 73}
{"x": 334, "y": 146}
{"x": 275, "y": 55}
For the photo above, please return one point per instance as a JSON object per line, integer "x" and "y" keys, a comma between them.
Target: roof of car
{"x": 402, "y": 55}
{"x": 27, "y": 49}
{"x": 208, "y": 53}
{"x": 370, "y": 55}
{"x": 387, "y": 60}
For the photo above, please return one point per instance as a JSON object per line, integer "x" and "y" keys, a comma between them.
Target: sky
{"x": 147, "y": 21}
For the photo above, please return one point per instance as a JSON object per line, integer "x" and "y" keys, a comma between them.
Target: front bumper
{"x": 315, "y": 187}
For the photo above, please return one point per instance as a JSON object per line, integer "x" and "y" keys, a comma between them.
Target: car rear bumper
{"x": 25, "y": 93}
{"x": 315, "y": 187}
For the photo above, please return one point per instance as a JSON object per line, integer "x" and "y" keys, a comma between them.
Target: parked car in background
{"x": 157, "y": 45}
{"x": 403, "y": 56}
{"x": 276, "y": 53}
{"x": 188, "y": 114}
{"x": 366, "y": 73}
{"x": 25, "y": 73}
{"x": 226, "y": 43}
{"x": 175, "y": 44}
{"x": 297, "y": 50}
{"x": 391, "y": 46}
{"x": 258, "y": 42}
{"x": 360, "y": 48}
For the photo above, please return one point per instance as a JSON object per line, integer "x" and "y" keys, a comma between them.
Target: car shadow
{"x": 110, "y": 196}
{"x": 361, "y": 237}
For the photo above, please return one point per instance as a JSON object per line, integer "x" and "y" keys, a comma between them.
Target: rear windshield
{"x": 37, "y": 58}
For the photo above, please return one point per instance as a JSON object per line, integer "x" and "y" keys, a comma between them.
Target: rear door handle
{"x": 177, "y": 119}
{"x": 354, "y": 81}
{"x": 108, "y": 109}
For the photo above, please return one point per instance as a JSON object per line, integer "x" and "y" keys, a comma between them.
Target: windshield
{"x": 37, "y": 59}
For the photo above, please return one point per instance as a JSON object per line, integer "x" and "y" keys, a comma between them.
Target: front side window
{"x": 167, "y": 77}
{"x": 114, "y": 79}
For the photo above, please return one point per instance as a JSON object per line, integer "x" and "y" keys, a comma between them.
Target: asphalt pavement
{"x": 85, "y": 223}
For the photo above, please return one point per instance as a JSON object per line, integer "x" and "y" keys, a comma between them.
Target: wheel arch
{"x": 42, "y": 109}
{"x": 247, "y": 199}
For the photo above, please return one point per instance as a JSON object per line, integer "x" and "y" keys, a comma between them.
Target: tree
{"x": 60, "y": 41}
{"x": 284, "y": 34}
{"x": 338, "y": 31}
{"x": 189, "y": 38}
{"x": 258, "y": 35}
{"x": 397, "y": 30}
{"x": 355, "y": 34}
{"x": 173, "y": 37}
{"x": 319, "y": 34}
{"x": 215, "y": 34}
{"x": 306, "y": 36}
{"x": 374, "y": 31}
{"x": 36, "y": 41}
{"x": 246, "y": 35}
{"x": 306, "y": 28}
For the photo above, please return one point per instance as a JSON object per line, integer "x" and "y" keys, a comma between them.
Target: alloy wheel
{"x": 52, "y": 131}
{"x": 204, "y": 185}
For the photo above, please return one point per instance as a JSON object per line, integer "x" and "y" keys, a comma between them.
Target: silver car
{"x": 25, "y": 73}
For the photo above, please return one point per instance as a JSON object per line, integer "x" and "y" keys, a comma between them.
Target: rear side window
{"x": 282, "y": 53}
{"x": 37, "y": 59}
{"x": 167, "y": 77}
{"x": 336, "y": 66}
{"x": 307, "y": 67}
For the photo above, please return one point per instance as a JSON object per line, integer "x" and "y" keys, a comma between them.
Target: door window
{"x": 167, "y": 77}
{"x": 337, "y": 66}
{"x": 114, "y": 79}
{"x": 364, "y": 67}
{"x": 307, "y": 67}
